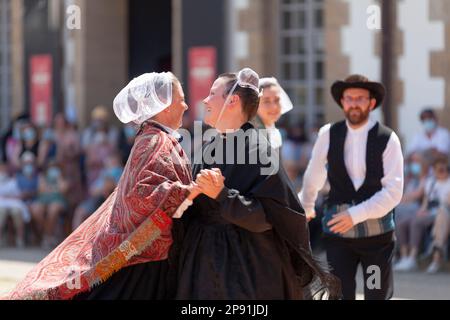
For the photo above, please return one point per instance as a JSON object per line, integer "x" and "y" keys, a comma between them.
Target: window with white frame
{"x": 302, "y": 58}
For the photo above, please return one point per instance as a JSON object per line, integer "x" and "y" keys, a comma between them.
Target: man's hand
{"x": 341, "y": 223}
{"x": 211, "y": 182}
{"x": 310, "y": 215}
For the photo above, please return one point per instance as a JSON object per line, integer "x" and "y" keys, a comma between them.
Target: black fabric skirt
{"x": 225, "y": 262}
{"x": 145, "y": 281}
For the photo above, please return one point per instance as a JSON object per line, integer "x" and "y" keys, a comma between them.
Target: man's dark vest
{"x": 343, "y": 194}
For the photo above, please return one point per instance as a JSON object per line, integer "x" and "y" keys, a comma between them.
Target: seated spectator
{"x": 416, "y": 172}
{"x": 441, "y": 232}
{"x": 12, "y": 205}
{"x": 11, "y": 139}
{"x": 434, "y": 140}
{"x": 100, "y": 190}
{"x": 411, "y": 231}
{"x": 47, "y": 147}
{"x": 28, "y": 183}
{"x": 68, "y": 153}
{"x": 50, "y": 204}
{"x": 99, "y": 150}
{"x": 99, "y": 122}
{"x": 29, "y": 142}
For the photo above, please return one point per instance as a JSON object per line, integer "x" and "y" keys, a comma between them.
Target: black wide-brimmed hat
{"x": 377, "y": 89}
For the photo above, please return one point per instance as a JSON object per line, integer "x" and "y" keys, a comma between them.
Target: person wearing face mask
{"x": 30, "y": 139}
{"x": 27, "y": 178}
{"x": 10, "y": 140}
{"x": 29, "y": 142}
{"x": 50, "y": 204}
{"x": 12, "y": 205}
{"x": 28, "y": 182}
{"x": 97, "y": 195}
{"x": 47, "y": 147}
{"x": 411, "y": 233}
{"x": 98, "y": 151}
{"x": 433, "y": 139}
{"x": 416, "y": 173}
{"x": 99, "y": 122}
{"x": 68, "y": 155}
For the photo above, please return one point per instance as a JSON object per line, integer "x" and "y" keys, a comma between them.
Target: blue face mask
{"x": 98, "y": 124}
{"x": 29, "y": 135}
{"x": 48, "y": 135}
{"x": 415, "y": 168}
{"x": 28, "y": 170}
{"x": 53, "y": 174}
{"x": 429, "y": 125}
{"x": 130, "y": 132}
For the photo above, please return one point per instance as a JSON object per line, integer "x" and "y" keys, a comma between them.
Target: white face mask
{"x": 429, "y": 125}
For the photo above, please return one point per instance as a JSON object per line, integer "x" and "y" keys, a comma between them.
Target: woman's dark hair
{"x": 249, "y": 97}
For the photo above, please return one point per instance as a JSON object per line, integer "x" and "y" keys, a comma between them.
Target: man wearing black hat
{"x": 363, "y": 162}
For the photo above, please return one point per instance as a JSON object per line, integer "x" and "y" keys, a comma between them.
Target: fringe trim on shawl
{"x": 142, "y": 238}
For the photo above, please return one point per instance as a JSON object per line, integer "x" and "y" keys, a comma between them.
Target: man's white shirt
{"x": 355, "y": 147}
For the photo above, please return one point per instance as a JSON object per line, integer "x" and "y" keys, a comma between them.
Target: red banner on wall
{"x": 202, "y": 73}
{"x": 41, "y": 83}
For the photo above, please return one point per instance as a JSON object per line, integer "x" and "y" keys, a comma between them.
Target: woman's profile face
{"x": 214, "y": 102}
{"x": 269, "y": 106}
{"x": 178, "y": 107}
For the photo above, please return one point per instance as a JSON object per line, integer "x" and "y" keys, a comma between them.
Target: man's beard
{"x": 357, "y": 116}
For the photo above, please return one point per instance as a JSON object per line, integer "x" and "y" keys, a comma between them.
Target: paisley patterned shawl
{"x": 132, "y": 226}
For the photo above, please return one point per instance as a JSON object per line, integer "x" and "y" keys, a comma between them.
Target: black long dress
{"x": 144, "y": 281}
{"x": 252, "y": 242}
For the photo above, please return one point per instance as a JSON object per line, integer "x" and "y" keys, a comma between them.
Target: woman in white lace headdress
{"x": 273, "y": 104}
{"x": 121, "y": 250}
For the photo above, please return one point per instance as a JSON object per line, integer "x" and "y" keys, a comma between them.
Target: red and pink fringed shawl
{"x": 132, "y": 226}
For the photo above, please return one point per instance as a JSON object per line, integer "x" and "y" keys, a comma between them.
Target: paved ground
{"x": 417, "y": 286}
{"x": 14, "y": 264}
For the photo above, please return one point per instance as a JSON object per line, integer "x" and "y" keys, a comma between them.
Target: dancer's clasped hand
{"x": 210, "y": 182}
